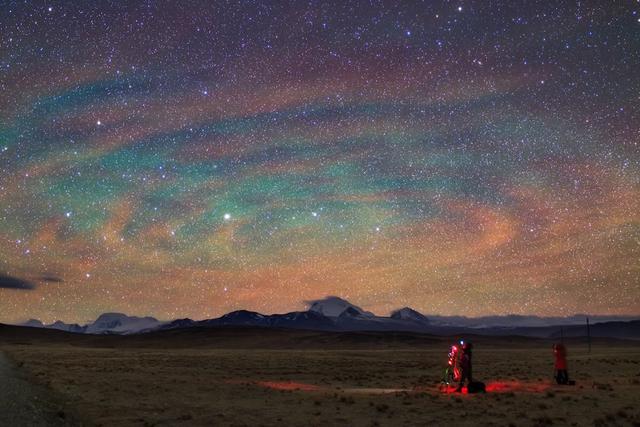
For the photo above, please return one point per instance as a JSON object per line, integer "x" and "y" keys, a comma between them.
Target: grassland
{"x": 177, "y": 385}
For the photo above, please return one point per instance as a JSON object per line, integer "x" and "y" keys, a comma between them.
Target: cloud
{"x": 50, "y": 278}
{"x": 10, "y": 282}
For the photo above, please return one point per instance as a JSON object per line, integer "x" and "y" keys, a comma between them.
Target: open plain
{"x": 278, "y": 377}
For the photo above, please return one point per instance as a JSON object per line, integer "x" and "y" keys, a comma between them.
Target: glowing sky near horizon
{"x": 185, "y": 159}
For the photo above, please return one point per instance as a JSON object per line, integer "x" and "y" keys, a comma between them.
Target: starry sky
{"x": 186, "y": 159}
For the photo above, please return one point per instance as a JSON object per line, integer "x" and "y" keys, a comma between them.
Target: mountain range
{"x": 336, "y": 314}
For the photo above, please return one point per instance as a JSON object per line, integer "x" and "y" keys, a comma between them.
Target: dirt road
{"x": 22, "y": 404}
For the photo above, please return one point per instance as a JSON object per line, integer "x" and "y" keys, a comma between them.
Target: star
{"x": 293, "y": 150}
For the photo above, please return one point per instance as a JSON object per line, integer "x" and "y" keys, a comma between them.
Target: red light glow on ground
{"x": 517, "y": 386}
{"x": 505, "y": 387}
{"x": 491, "y": 387}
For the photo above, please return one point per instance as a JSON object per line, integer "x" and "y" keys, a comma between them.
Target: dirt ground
{"x": 148, "y": 387}
{"x": 24, "y": 404}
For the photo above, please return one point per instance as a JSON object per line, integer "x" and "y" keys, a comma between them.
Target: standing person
{"x": 560, "y": 367}
{"x": 465, "y": 366}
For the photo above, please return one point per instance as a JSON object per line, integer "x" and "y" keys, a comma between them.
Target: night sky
{"x": 186, "y": 159}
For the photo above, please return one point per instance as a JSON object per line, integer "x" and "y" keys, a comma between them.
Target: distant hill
{"x": 107, "y": 323}
{"x": 336, "y": 314}
{"x": 513, "y": 320}
{"x": 246, "y": 337}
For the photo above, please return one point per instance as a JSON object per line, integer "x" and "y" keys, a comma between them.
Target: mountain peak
{"x": 60, "y": 325}
{"x": 409, "y": 314}
{"x": 333, "y": 306}
{"x": 121, "y": 323}
{"x": 243, "y": 314}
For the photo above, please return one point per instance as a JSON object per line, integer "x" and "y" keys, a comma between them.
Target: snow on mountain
{"x": 336, "y": 314}
{"x": 120, "y": 323}
{"x": 410, "y": 315}
{"x": 332, "y": 306}
{"x": 61, "y": 326}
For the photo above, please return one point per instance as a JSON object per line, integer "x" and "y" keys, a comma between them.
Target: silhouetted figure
{"x": 465, "y": 366}
{"x": 560, "y": 354}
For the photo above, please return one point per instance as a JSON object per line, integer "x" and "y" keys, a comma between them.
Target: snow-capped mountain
{"x": 120, "y": 323}
{"x": 107, "y": 323}
{"x": 410, "y": 315}
{"x": 334, "y": 307}
{"x": 61, "y": 326}
{"x": 336, "y": 314}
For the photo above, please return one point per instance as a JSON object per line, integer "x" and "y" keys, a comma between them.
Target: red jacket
{"x": 560, "y": 354}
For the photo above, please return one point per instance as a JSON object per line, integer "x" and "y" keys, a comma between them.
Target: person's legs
{"x": 558, "y": 376}
{"x": 563, "y": 377}
{"x": 463, "y": 378}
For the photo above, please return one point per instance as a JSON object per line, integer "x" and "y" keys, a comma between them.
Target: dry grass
{"x": 128, "y": 386}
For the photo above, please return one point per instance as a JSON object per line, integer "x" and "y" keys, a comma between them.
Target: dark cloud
{"x": 10, "y": 282}
{"x": 51, "y": 279}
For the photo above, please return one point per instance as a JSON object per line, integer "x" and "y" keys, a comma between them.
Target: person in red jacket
{"x": 560, "y": 367}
